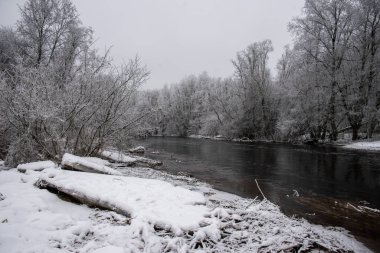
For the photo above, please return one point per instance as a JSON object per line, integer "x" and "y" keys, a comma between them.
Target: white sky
{"x": 176, "y": 38}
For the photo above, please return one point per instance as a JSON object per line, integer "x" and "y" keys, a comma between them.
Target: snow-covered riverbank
{"x": 167, "y": 214}
{"x": 364, "y": 145}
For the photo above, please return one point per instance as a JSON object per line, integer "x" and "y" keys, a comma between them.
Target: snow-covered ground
{"x": 365, "y": 145}
{"x": 168, "y": 214}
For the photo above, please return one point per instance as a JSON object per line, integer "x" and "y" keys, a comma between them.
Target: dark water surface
{"x": 327, "y": 178}
{"x": 328, "y": 171}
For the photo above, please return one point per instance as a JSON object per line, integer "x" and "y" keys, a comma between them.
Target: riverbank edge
{"x": 342, "y": 143}
{"x": 348, "y": 205}
{"x": 228, "y": 204}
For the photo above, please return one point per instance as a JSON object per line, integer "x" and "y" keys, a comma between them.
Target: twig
{"x": 260, "y": 189}
{"x": 253, "y": 201}
{"x": 355, "y": 208}
{"x": 369, "y": 209}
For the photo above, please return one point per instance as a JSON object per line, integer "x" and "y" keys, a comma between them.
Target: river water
{"x": 325, "y": 178}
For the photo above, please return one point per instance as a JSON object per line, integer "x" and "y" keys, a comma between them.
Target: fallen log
{"x": 72, "y": 162}
{"x": 80, "y": 197}
{"x": 143, "y": 161}
{"x": 130, "y": 160}
{"x": 147, "y": 200}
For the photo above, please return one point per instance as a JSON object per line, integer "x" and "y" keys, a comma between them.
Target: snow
{"x": 97, "y": 160}
{"x": 37, "y": 165}
{"x": 151, "y": 200}
{"x": 365, "y": 145}
{"x": 35, "y": 220}
{"x": 260, "y": 228}
{"x": 96, "y": 165}
{"x": 109, "y": 249}
{"x": 117, "y": 156}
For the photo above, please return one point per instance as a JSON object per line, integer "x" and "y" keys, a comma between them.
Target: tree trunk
{"x": 355, "y": 133}
{"x": 332, "y": 114}
{"x": 371, "y": 127}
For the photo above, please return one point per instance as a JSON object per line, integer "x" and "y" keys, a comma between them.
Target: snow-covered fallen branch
{"x": 117, "y": 157}
{"x": 129, "y": 159}
{"x": 137, "y": 150}
{"x": 143, "y": 161}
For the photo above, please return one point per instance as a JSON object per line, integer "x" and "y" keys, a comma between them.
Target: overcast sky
{"x": 176, "y": 38}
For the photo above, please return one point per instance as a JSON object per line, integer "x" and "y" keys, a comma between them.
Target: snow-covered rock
{"x": 36, "y": 166}
{"x": 87, "y": 164}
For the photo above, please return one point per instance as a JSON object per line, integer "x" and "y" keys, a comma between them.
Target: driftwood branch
{"x": 258, "y": 186}
{"x": 143, "y": 161}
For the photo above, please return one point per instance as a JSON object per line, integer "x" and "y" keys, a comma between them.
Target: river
{"x": 313, "y": 182}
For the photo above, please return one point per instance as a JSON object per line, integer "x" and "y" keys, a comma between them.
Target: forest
{"x": 327, "y": 83}
{"x": 61, "y": 94}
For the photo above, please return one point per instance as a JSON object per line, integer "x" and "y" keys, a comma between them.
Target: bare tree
{"x": 358, "y": 91}
{"x": 324, "y": 33}
{"x": 252, "y": 72}
{"x": 45, "y": 25}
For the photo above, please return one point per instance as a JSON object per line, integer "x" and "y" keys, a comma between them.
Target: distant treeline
{"x": 59, "y": 94}
{"x": 327, "y": 83}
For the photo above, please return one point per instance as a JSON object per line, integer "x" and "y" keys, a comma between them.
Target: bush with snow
{"x": 58, "y": 93}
